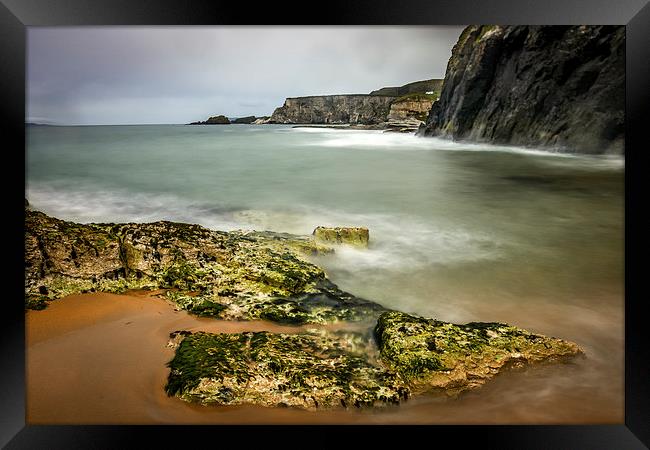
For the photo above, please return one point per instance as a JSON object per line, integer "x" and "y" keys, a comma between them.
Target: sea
{"x": 459, "y": 231}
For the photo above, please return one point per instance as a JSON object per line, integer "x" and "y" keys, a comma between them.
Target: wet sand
{"x": 101, "y": 359}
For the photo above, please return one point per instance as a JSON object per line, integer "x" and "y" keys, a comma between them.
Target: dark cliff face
{"x": 541, "y": 86}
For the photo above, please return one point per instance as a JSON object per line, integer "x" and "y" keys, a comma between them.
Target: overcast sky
{"x": 129, "y": 75}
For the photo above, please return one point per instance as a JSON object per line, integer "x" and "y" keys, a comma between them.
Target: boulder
{"x": 433, "y": 355}
{"x": 357, "y": 236}
{"x": 324, "y": 370}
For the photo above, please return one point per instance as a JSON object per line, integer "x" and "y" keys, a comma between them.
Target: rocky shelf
{"x": 264, "y": 275}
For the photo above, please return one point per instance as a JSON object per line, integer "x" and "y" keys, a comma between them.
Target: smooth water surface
{"x": 460, "y": 232}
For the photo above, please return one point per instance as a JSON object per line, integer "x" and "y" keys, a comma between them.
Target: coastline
{"x": 163, "y": 305}
{"x": 76, "y": 374}
{"x": 72, "y": 333}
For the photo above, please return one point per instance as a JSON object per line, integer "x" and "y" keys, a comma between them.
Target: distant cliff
{"x": 545, "y": 86}
{"x": 362, "y": 109}
{"x": 417, "y": 87}
{"x": 214, "y": 120}
{"x": 334, "y": 109}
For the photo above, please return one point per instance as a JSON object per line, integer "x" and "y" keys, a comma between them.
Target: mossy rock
{"x": 430, "y": 354}
{"x": 230, "y": 275}
{"x": 308, "y": 370}
{"x": 409, "y": 355}
{"x": 357, "y": 236}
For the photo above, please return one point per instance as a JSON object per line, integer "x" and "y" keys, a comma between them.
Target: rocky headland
{"x": 223, "y": 120}
{"x": 214, "y": 120}
{"x": 561, "y": 87}
{"x": 388, "y": 357}
{"x": 401, "y": 108}
{"x": 244, "y": 120}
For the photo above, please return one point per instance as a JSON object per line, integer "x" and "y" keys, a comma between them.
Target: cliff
{"x": 403, "y": 105}
{"x": 544, "y": 86}
{"x": 410, "y": 107}
{"x": 334, "y": 109}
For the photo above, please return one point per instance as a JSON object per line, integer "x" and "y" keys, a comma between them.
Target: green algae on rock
{"x": 408, "y": 356}
{"x": 310, "y": 370}
{"x": 357, "y": 236}
{"x": 230, "y": 275}
{"x": 429, "y": 354}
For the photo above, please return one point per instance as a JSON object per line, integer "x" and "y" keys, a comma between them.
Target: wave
{"x": 87, "y": 204}
{"x": 397, "y": 241}
{"x": 378, "y": 139}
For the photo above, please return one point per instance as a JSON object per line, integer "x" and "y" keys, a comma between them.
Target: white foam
{"x": 397, "y": 241}
{"x": 378, "y": 139}
{"x": 87, "y": 205}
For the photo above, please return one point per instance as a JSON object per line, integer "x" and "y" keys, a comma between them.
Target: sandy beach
{"x": 101, "y": 359}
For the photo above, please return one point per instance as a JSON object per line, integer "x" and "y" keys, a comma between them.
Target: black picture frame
{"x": 16, "y": 15}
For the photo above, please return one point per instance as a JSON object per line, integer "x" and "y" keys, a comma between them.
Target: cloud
{"x": 90, "y": 75}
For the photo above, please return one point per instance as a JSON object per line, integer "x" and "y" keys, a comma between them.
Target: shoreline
{"x": 76, "y": 375}
{"x": 243, "y": 277}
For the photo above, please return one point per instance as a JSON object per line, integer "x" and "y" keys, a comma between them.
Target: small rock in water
{"x": 357, "y": 236}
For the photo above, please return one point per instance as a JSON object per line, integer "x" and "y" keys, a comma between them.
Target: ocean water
{"x": 460, "y": 232}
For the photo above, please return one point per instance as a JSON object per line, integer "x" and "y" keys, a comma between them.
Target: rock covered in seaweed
{"x": 230, "y": 275}
{"x": 430, "y": 354}
{"x": 357, "y": 236}
{"x": 309, "y": 370}
{"x": 262, "y": 275}
{"x": 409, "y": 356}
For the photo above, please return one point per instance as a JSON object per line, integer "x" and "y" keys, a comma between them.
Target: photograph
{"x": 325, "y": 224}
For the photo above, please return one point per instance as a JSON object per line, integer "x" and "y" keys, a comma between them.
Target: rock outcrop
{"x": 373, "y": 110}
{"x": 244, "y": 120}
{"x": 214, "y": 120}
{"x": 334, "y": 109}
{"x": 262, "y": 120}
{"x": 228, "y": 275}
{"x": 264, "y": 275}
{"x": 407, "y": 113}
{"x": 308, "y": 370}
{"x": 357, "y": 236}
{"x": 432, "y": 355}
{"x": 544, "y": 86}
{"x": 407, "y": 356}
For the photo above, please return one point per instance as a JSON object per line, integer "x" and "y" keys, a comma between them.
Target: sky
{"x": 143, "y": 75}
